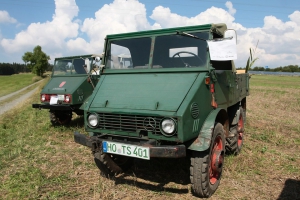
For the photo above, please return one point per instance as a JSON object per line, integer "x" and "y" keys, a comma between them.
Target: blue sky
{"x": 70, "y": 27}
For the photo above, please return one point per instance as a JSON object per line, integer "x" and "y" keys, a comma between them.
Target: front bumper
{"x": 162, "y": 151}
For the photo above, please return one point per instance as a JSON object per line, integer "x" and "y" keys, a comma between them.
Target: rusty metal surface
{"x": 177, "y": 151}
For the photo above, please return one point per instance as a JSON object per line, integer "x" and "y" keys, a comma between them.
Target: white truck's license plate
{"x": 126, "y": 150}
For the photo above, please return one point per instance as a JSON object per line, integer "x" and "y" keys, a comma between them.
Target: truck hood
{"x": 63, "y": 85}
{"x": 164, "y": 92}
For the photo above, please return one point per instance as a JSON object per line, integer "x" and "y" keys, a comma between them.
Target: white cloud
{"x": 120, "y": 16}
{"x": 295, "y": 17}
{"x": 164, "y": 18}
{"x": 5, "y": 18}
{"x": 50, "y": 34}
{"x": 231, "y": 10}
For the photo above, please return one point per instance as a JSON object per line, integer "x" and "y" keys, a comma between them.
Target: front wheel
{"x": 206, "y": 167}
{"x": 111, "y": 164}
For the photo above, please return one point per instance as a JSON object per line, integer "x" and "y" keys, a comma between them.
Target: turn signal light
{"x": 45, "y": 97}
{"x": 68, "y": 98}
{"x": 207, "y": 80}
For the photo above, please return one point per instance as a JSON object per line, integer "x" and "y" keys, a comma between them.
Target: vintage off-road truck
{"x": 73, "y": 80}
{"x": 171, "y": 100}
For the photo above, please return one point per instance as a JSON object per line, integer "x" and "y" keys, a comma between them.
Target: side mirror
{"x": 231, "y": 33}
{"x": 97, "y": 59}
{"x": 87, "y": 64}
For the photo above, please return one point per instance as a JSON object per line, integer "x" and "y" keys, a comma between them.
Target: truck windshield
{"x": 69, "y": 67}
{"x": 170, "y": 51}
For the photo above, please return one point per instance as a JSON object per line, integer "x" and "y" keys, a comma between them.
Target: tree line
{"x": 288, "y": 68}
{"x": 35, "y": 62}
{"x": 14, "y": 68}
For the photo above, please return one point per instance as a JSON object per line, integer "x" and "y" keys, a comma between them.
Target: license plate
{"x": 61, "y": 97}
{"x": 126, "y": 150}
{"x": 53, "y": 100}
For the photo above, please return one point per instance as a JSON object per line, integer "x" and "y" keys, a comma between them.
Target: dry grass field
{"x": 39, "y": 161}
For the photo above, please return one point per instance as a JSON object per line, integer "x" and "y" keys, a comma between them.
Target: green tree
{"x": 37, "y": 60}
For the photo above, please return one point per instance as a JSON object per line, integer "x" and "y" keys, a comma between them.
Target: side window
{"x": 129, "y": 54}
{"x": 120, "y": 57}
{"x": 62, "y": 67}
{"x": 78, "y": 66}
{"x": 176, "y": 51}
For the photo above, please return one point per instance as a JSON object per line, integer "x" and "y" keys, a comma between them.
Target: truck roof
{"x": 215, "y": 28}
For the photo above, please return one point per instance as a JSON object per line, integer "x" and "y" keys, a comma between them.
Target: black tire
{"x": 60, "y": 117}
{"x": 206, "y": 167}
{"x": 234, "y": 144}
{"x": 111, "y": 164}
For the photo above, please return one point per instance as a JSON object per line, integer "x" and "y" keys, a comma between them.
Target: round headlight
{"x": 93, "y": 120}
{"x": 168, "y": 126}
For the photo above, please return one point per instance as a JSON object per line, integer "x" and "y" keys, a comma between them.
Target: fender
{"x": 202, "y": 142}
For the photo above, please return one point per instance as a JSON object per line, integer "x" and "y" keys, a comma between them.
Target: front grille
{"x": 128, "y": 123}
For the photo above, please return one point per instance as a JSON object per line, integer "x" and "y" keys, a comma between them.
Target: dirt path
{"x": 7, "y": 106}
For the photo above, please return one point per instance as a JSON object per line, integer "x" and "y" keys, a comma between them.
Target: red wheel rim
{"x": 216, "y": 160}
{"x": 240, "y": 131}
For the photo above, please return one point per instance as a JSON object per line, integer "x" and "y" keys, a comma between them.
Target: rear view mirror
{"x": 231, "y": 33}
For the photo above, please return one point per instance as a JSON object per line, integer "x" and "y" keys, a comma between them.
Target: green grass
{"x": 275, "y": 81}
{"x": 39, "y": 161}
{"x": 15, "y": 82}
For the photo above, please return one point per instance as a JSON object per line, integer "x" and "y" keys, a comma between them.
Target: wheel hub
{"x": 217, "y": 160}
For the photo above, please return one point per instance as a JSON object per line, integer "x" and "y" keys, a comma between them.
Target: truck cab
{"x": 171, "y": 101}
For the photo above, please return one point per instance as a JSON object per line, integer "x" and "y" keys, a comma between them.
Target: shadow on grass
{"x": 157, "y": 173}
{"x": 291, "y": 190}
{"x": 77, "y": 122}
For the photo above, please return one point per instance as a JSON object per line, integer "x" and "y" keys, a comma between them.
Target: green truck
{"x": 169, "y": 99}
{"x": 72, "y": 81}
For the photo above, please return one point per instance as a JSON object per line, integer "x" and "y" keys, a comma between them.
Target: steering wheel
{"x": 186, "y": 64}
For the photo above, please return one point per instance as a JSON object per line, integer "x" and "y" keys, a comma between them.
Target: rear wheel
{"x": 206, "y": 167}
{"x": 60, "y": 117}
{"x": 234, "y": 144}
{"x": 111, "y": 164}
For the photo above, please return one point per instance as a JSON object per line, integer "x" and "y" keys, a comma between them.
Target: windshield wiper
{"x": 189, "y": 35}
{"x": 195, "y": 37}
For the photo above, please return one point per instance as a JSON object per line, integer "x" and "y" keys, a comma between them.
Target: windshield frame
{"x": 150, "y": 68}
